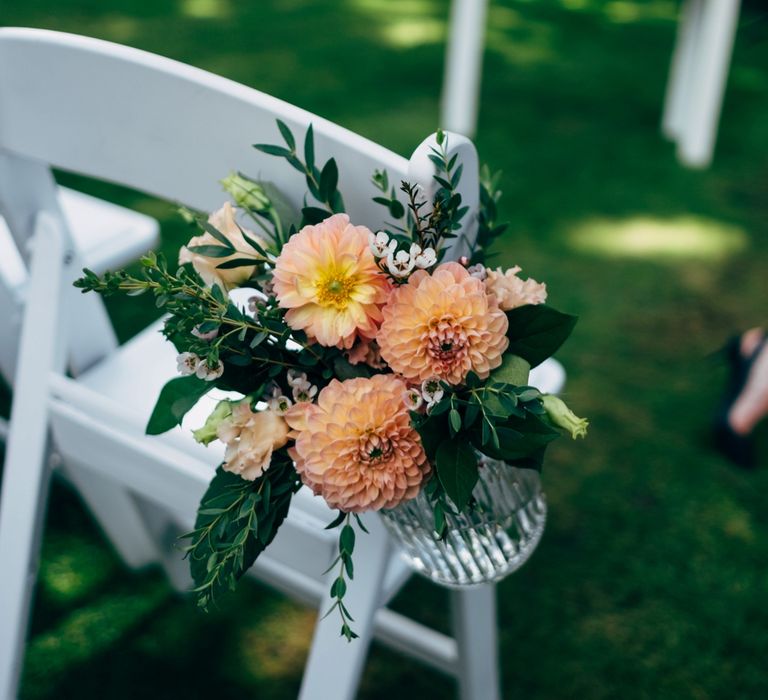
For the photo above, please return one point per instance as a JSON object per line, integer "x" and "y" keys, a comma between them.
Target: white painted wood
{"x": 681, "y": 69}
{"x": 363, "y": 596}
{"x": 422, "y": 170}
{"x": 161, "y": 126}
{"x": 463, "y": 66}
{"x": 25, "y": 477}
{"x": 698, "y": 76}
{"x": 717, "y": 31}
{"x": 474, "y": 623}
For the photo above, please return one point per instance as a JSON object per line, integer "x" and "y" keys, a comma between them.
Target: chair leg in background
{"x": 682, "y": 70}
{"x": 705, "y": 97}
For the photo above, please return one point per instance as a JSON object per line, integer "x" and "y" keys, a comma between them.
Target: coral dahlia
{"x": 443, "y": 325}
{"x": 357, "y": 448}
{"x": 328, "y": 279}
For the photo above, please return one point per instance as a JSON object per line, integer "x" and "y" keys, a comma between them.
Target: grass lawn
{"x": 652, "y": 578}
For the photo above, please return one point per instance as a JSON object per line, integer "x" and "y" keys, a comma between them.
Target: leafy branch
{"x": 322, "y": 183}
{"x": 346, "y": 570}
{"x": 236, "y": 521}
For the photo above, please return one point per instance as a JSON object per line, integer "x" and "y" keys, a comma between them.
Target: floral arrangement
{"x": 370, "y": 367}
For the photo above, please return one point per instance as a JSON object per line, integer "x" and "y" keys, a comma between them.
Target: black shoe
{"x": 739, "y": 449}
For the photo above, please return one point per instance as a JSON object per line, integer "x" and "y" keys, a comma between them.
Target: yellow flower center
{"x": 335, "y": 290}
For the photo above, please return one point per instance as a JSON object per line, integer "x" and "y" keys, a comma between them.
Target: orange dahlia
{"x": 357, "y": 448}
{"x": 442, "y": 325}
{"x": 327, "y": 278}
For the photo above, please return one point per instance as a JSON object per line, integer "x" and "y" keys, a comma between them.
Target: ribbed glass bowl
{"x": 484, "y": 545}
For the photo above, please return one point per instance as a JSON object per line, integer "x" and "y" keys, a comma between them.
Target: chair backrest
{"x": 151, "y": 123}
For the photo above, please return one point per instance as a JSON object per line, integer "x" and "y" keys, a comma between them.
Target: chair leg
{"x": 713, "y": 57}
{"x": 26, "y": 474}
{"x": 474, "y": 623}
{"x": 463, "y": 66}
{"x": 335, "y": 666}
{"x": 682, "y": 70}
{"x": 118, "y": 515}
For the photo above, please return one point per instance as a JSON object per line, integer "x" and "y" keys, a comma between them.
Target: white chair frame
{"x": 145, "y": 148}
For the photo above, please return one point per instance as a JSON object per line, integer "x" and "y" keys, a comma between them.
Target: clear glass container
{"x": 481, "y": 546}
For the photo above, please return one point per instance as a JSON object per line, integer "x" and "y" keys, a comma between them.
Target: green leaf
{"x": 347, "y": 539}
{"x": 454, "y": 418}
{"x": 271, "y": 150}
{"x": 513, "y": 370}
{"x": 329, "y": 179}
{"x": 177, "y": 397}
{"x": 519, "y": 438}
{"x": 536, "y": 332}
{"x": 211, "y": 251}
{"x": 236, "y": 262}
{"x": 287, "y": 135}
{"x": 456, "y": 465}
{"x": 309, "y": 148}
{"x": 314, "y": 215}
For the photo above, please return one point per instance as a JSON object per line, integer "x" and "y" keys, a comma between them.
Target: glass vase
{"x": 483, "y": 545}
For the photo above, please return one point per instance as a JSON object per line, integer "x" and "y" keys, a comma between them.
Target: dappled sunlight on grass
{"x": 620, "y": 11}
{"x": 205, "y": 9}
{"x": 685, "y": 237}
{"x": 73, "y": 567}
{"x": 404, "y": 24}
{"x": 276, "y": 646}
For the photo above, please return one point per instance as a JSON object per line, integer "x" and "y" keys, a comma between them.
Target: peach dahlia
{"x": 357, "y": 448}
{"x": 328, "y": 279}
{"x": 443, "y": 325}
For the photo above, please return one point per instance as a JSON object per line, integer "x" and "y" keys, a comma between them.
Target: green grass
{"x": 652, "y": 577}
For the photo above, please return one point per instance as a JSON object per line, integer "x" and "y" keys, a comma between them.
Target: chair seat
{"x": 107, "y": 235}
{"x": 129, "y": 381}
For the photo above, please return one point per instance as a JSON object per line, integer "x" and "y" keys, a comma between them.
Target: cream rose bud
{"x": 563, "y": 417}
{"x": 251, "y": 437}
{"x": 207, "y": 267}
{"x": 247, "y": 193}
{"x": 208, "y": 433}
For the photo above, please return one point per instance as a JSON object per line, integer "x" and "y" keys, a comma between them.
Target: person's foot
{"x": 745, "y": 400}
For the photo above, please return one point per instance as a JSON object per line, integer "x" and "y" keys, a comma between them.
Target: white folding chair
{"x": 697, "y": 77}
{"x": 107, "y": 236}
{"x": 123, "y": 125}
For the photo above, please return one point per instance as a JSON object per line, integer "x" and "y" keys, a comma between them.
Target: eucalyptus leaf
{"x": 177, "y": 397}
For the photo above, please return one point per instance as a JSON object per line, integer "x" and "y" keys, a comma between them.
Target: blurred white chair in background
{"x": 463, "y": 66}
{"x": 698, "y": 76}
{"x": 122, "y": 125}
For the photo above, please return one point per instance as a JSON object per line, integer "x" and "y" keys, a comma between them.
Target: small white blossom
{"x": 400, "y": 264}
{"x": 304, "y": 392}
{"x": 413, "y": 399}
{"x": 210, "y": 335}
{"x": 187, "y": 363}
{"x": 432, "y": 391}
{"x": 426, "y": 258}
{"x": 279, "y": 403}
{"x": 478, "y": 271}
{"x": 380, "y": 244}
{"x": 294, "y": 377}
{"x": 205, "y": 371}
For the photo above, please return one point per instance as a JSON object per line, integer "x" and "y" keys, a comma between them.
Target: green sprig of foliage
{"x": 237, "y": 519}
{"x": 346, "y": 571}
{"x": 321, "y": 183}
